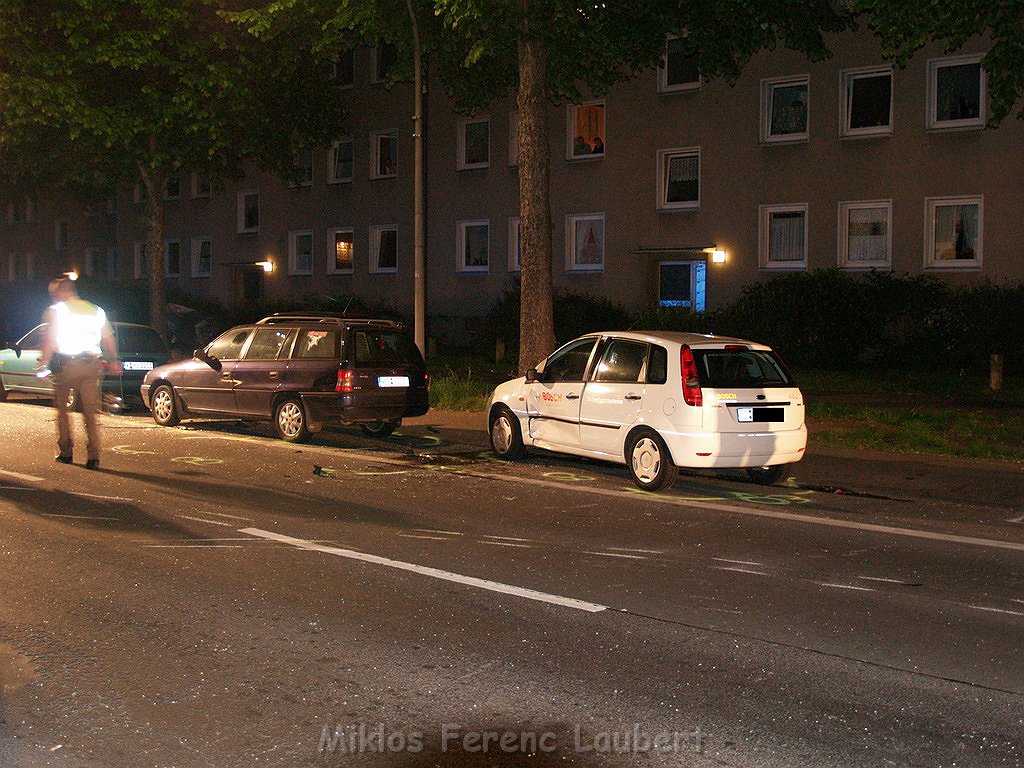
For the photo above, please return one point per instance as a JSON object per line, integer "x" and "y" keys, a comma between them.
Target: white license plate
{"x": 392, "y": 381}
{"x": 744, "y": 414}
{"x": 132, "y": 365}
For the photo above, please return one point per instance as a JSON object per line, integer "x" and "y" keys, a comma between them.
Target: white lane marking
{"x": 844, "y": 586}
{"x": 508, "y": 544}
{"x": 738, "y": 570}
{"x": 19, "y": 476}
{"x": 699, "y": 504}
{"x": 102, "y": 498}
{"x": 1015, "y": 600}
{"x": 736, "y": 562}
{"x": 470, "y": 581}
{"x": 638, "y": 551}
{"x": 995, "y": 610}
{"x": 204, "y": 520}
{"x": 193, "y": 546}
{"x": 883, "y": 580}
{"x": 80, "y": 517}
{"x": 229, "y": 517}
{"x": 434, "y": 530}
{"x": 622, "y": 555}
{"x": 17, "y": 488}
{"x": 420, "y": 536}
{"x": 506, "y": 538}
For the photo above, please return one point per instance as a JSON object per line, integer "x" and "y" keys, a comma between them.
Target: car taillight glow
{"x": 345, "y": 380}
{"x": 691, "y": 384}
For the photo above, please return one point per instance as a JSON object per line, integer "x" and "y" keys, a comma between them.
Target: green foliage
{"x": 904, "y": 28}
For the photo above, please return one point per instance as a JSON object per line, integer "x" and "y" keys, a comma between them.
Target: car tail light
{"x": 691, "y": 384}
{"x": 346, "y": 377}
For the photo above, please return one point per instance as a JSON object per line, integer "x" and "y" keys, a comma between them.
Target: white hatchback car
{"x": 656, "y": 402}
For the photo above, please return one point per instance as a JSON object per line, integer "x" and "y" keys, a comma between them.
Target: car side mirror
{"x": 534, "y": 375}
{"x": 203, "y": 356}
{"x": 14, "y": 345}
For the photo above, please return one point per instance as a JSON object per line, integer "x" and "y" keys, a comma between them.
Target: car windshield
{"x": 139, "y": 340}
{"x": 746, "y": 368}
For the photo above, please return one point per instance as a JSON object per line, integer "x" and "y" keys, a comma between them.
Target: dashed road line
{"x": 80, "y": 517}
{"x": 204, "y": 520}
{"x": 996, "y": 610}
{"x": 850, "y": 587}
{"x": 751, "y": 571}
{"x": 621, "y": 555}
{"x": 20, "y": 476}
{"x": 736, "y": 562}
{"x": 470, "y": 581}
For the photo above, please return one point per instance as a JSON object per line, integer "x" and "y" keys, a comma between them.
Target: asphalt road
{"x": 215, "y": 597}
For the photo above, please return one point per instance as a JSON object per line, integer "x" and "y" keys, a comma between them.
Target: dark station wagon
{"x": 302, "y": 372}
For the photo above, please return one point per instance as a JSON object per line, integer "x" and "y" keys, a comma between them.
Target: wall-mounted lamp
{"x": 268, "y": 266}
{"x": 718, "y": 256}
{"x": 72, "y": 275}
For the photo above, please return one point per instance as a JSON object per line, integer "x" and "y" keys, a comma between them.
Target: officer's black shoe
{"x": 63, "y": 459}
{"x": 92, "y": 464}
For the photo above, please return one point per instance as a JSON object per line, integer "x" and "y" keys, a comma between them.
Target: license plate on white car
{"x": 135, "y": 365}
{"x": 392, "y": 381}
{"x": 769, "y": 415}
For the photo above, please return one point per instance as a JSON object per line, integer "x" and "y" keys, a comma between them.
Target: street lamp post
{"x": 419, "y": 222}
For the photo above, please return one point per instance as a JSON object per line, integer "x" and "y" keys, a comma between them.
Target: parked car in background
{"x": 139, "y": 347}
{"x": 301, "y": 372}
{"x": 656, "y": 402}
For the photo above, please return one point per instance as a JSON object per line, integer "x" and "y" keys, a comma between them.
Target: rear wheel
{"x": 380, "y": 428}
{"x": 164, "y": 406}
{"x": 649, "y": 462}
{"x": 290, "y": 421}
{"x": 506, "y": 434}
{"x": 769, "y": 475}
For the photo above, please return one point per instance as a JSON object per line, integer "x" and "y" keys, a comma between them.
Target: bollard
{"x": 995, "y": 375}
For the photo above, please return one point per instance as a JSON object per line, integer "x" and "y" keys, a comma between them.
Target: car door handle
{"x": 274, "y": 374}
{"x": 572, "y": 396}
{"x": 226, "y": 376}
{"x": 634, "y": 396}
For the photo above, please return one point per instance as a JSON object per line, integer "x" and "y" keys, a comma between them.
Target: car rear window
{"x": 740, "y": 368}
{"x": 139, "y": 340}
{"x": 379, "y": 348}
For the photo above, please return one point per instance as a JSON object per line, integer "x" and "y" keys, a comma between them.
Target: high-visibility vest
{"x": 78, "y": 327}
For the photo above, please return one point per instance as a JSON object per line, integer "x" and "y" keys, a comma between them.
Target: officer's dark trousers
{"x": 83, "y": 377}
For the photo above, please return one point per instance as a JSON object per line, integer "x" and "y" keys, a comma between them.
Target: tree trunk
{"x": 536, "y": 324}
{"x": 155, "y": 184}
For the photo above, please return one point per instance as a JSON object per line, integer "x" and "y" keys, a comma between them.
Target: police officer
{"x": 78, "y": 333}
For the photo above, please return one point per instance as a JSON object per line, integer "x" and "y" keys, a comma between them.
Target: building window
{"x": 112, "y": 263}
{"x": 91, "y": 262}
{"x": 783, "y": 237}
{"x": 679, "y": 179}
{"x": 866, "y": 102}
{"x": 384, "y": 57}
{"x": 586, "y": 130}
{"x": 585, "y": 242}
{"x": 513, "y": 138}
{"x": 956, "y": 93}
{"x": 383, "y": 249}
{"x": 172, "y": 258}
{"x": 679, "y": 71}
{"x": 515, "y": 244}
{"x": 29, "y": 263}
{"x": 954, "y": 236}
{"x": 200, "y": 185}
{"x": 300, "y": 252}
{"x": 172, "y": 189}
{"x": 341, "y": 259}
{"x": 304, "y": 166}
{"x": 60, "y": 236}
{"x": 784, "y": 109}
{"x": 140, "y": 262}
{"x": 341, "y": 161}
{"x": 384, "y": 149}
{"x": 344, "y": 69}
{"x": 473, "y": 246}
{"x": 865, "y": 235}
{"x": 682, "y": 284}
{"x": 474, "y": 143}
{"x": 249, "y": 211}
{"x": 202, "y": 257}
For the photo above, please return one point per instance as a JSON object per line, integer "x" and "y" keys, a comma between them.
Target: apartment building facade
{"x": 668, "y": 190}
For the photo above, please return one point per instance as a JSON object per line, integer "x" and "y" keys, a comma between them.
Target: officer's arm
{"x": 49, "y": 345}
{"x": 109, "y": 346}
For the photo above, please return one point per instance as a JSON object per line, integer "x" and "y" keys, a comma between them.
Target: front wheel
{"x": 768, "y": 475}
{"x": 290, "y": 421}
{"x": 380, "y": 428}
{"x": 506, "y": 435}
{"x": 164, "y": 406}
{"x": 649, "y": 462}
